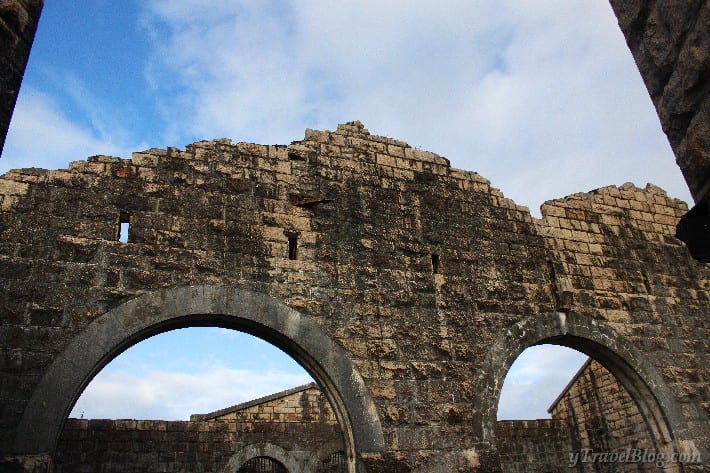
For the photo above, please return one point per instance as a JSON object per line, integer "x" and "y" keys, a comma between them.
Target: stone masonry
{"x": 404, "y": 286}
{"x": 18, "y": 23}
{"x": 668, "y": 38}
{"x": 295, "y": 427}
{"x": 593, "y": 414}
{"x": 422, "y": 282}
{"x": 602, "y": 417}
{"x": 670, "y": 41}
{"x": 540, "y": 445}
{"x": 300, "y": 404}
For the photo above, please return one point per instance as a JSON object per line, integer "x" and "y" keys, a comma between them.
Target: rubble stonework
{"x": 413, "y": 288}
{"x": 296, "y": 427}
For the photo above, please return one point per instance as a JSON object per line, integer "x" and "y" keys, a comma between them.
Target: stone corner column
{"x": 18, "y": 24}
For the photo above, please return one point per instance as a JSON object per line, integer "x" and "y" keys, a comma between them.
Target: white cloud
{"x": 535, "y": 379}
{"x": 175, "y": 395}
{"x": 542, "y": 104}
{"x": 41, "y": 135}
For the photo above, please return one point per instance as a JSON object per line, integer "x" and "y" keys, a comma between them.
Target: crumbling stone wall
{"x": 669, "y": 41}
{"x": 300, "y": 404}
{"x": 594, "y": 414}
{"x": 297, "y": 423}
{"x": 419, "y": 272}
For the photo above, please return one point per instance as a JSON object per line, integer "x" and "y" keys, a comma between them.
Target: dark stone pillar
{"x": 670, "y": 42}
{"x": 18, "y": 23}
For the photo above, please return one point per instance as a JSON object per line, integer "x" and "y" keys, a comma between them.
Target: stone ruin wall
{"x": 207, "y": 446}
{"x": 301, "y": 424}
{"x": 305, "y": 405}
{"x": 371, "y": 215}
{"x": 540, "y": 445}
{"x": 670, "y": 42}
{"x": 666, "y": 294}
{"x": 18, "y": 23}
{"x": 593, "y": 413}
{"x": 604, "y": 418}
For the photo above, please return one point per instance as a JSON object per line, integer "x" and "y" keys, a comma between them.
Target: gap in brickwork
{"x": 544, "y": 422}
{"x": 292, "y": 247}
{"x": 124, "y": 227}
{"x": 435, "y": 263}
{"x": 535, "y": 379}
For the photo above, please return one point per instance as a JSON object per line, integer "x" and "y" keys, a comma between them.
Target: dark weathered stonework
{"x": 415, "y": 286}
{"x": 602, "y": 417}
{"x": 372, "y": 217}
{"x": 670, "y": 41}
{"x": 541, "y": 445}
{"x": 296, "y": 428}
{"x": 18, "y": 23}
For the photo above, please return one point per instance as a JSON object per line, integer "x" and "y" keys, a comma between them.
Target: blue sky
{"x": 188, "y": 371}
{"x": 541, "y": 97}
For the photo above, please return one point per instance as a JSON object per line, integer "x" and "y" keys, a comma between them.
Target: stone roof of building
{"x": 253, "y": 402}
{"x": 569, "y": 385}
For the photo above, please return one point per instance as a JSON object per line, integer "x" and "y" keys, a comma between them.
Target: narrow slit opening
{"x": 435, "y": 263}
{"x": 292, "y": 247}
{"x": 124, "y": 227}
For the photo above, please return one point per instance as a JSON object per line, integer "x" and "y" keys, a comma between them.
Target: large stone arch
{"x": 155, "y": 312}
{"x": 599, "y": 341}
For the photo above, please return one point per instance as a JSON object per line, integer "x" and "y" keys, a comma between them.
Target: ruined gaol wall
{"x": 295, "y": 427}
{"x": 300, "y": 404}
{"x": 603, "y": 417}
{"x": 539, "y": 445}
{"x": 206, "y": 446}
{"x": 405, "y": 286}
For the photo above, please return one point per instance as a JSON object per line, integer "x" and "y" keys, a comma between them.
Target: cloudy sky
{"x": 541, "y": 97}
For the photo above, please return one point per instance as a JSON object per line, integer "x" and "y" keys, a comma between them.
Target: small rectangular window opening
{"x": 435, "y": 263}
{"x": 293, "y": 247}
{"x": 124, "y": 227}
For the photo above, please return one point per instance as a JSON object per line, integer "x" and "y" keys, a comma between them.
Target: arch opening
{"x": 204, "y": 306}
{"x": 181, "y": 372}
{"x": 560, "y": 407}
{"x": 262, "y": 465}
{"x": 656, "y": 405}
{"x": 244, "y": 395}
